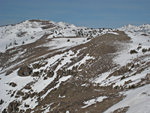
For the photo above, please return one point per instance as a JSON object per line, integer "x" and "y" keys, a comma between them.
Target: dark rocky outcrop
{"x": 36, "y": 74}
{"x": 13, "y": 107}
{"x": 12, "y": 84}
{"x": 133, "y": 52}
{"x": 1, "y": 101}
{"x": 25, "y": 71}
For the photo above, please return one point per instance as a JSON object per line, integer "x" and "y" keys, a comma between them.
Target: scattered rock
{"x": 9, "y": 72}
{"x": 20, "y": 93}
{"x": 123, "y": 77}
{"x": 148, "y": 76}
{"x": 121, "y": 110}
{"x": 45, "y": 78}
{"x": 144, "y": 50}
{"x": 26, "y": 105}
{"x": 1, "y": 101}
{"x": 139, "y": 47}
{"x": 4, "y": 111}
{"x": 132, "y": 86}
{"x": 27, "y": 87}
{"x": 35, "y": 74}
{"x": 21, "y": 34}
{"x": 133, "y": 52}
{"x": 50, "y": 74}
{"x": 25, "y": 97}
{"x": 13, "y": 107}
{"x": 12, "y": 84}
{"x": 144, "y": 34}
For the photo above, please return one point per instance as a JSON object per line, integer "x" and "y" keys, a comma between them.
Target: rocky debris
{"x": 13, "y": 107}
{"x": 144, "y": 50}
{"x": 12, "y": 84}
{"x": 133, "y": 52}
{"x": 27, "y": 87}
{"x": 50, "y": 25}
{"x": 25, "y": 71}
{"x": 121, "y": 110}
{"x": 64, "y": 72}
{"x": 45, "y": 78}
{"x": 25, "y": 96}
{"x": 4, "y": 111}
{"x": 20, "y": 93}
{"x": 26, "y": 105}
{"x": 35, "y": 74}
{"x": 50, "y": 73}
{"x": 21, "y": 34}
{"x": 38, "y": 65}
{"x": 9, "y": 72}
{"x": 139, "y": 46}
{"x": 148, "y": 77}
{"x": 121, "y": 71}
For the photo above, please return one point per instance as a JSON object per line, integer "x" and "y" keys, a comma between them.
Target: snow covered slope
{"x": 59, "y": 67}
{"x": 31, "y": 30}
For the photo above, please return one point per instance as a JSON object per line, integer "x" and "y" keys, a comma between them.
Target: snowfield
{"x": 137, "y": 100}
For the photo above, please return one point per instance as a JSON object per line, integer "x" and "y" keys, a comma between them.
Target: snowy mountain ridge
{"x": 48, "y": 67}
{"x": 132, "y": 28}
{"x": 31, "y": 30}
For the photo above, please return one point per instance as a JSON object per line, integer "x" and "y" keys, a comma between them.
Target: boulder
{"x": 1, "y": 102}
{"x": 148, "y": 77}
{"x": 13, "y": 107}
{"x": 25, "y": 71}
{"x": 12, "y": 84}
{"x": 36, "y": 74}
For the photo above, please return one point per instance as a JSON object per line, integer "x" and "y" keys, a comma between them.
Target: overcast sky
{"x": 90, "y": 13}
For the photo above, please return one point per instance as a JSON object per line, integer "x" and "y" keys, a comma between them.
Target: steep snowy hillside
{"x": 48, "y": 67}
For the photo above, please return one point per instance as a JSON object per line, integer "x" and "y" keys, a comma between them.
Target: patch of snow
{"x": 58, "y": 43}
{"x": 32, "y": 102}
{"x": 113, "y": 33}
{"x": 62, "y": 96}
{"x": 41, "y": 84}
{"x": 135, "y": 78}
{"x": 62, "y": 79}
{"x": 93, "y": 101}
{"x": 16, "y": 56}
{"x": 67, "y": 112}
{"x": 47, "y": 108}
{"x": 101, "y": 77}
{"x": 135, "y": 33}
{"x": 9, "y": 35}
{"x": 82, "y": 61}
{"x": 5, "y": 87}
{"x": 137, "y": 100}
